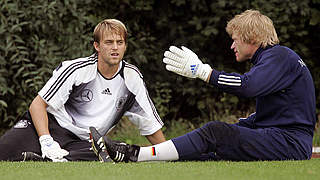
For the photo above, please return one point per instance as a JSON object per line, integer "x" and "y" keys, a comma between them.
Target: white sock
{"x": 165, "y": 151}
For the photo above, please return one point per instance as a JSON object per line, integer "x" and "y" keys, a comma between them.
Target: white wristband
{"x": 205, "y": 72}
{"x": 45, "y": 139}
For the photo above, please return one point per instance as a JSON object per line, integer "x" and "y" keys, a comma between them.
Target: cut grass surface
{"x": 302, "y": 170}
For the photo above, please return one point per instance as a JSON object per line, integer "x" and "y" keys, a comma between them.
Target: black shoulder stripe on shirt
{"x": 64, "y": 75}
{"x": 61, "y": 76}
{"x": 134, "y": 68}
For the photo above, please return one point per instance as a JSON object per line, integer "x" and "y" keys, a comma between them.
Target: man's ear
{"x": 96, "y": 46}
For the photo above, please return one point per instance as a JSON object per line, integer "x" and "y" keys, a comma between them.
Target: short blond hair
{"x": 112, "y": 25}
{"x": 254, "y": 28}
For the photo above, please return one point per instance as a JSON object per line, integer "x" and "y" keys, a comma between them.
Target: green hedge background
{"x": 36, "y": 35}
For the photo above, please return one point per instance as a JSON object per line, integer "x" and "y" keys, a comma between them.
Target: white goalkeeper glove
{"x": 51, "y": 149}
{"x": 186, "y": 63}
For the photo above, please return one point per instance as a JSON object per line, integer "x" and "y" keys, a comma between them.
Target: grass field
{"x": 302, "y": 170}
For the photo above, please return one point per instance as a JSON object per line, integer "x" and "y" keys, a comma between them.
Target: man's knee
{"x": 22, "y": 137}
{"x": 220, "y": 131}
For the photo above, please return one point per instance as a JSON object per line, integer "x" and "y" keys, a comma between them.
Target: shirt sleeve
{"x": 68, "y": 74}
{"x": 271, "y": 74}
{"x": 143, "y": 112}
{"x": 57, "y": 89}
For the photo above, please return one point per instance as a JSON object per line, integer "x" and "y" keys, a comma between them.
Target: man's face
{"x": 111, "y": 48}
{"x": 243, "y": 51}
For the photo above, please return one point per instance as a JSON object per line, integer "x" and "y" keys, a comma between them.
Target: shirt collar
{"x": 254, "y": 58}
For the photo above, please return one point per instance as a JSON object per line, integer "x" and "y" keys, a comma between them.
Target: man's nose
{"x": 115, "y": 45}
{"x": 232, "y": 45}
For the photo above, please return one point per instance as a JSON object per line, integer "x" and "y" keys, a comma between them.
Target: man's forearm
{"x": 208, "y": 79}
{"x": 156, "y": 137}
{"x": 39, "y": 116}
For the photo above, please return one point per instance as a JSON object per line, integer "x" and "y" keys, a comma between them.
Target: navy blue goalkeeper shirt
{"x": 282, "y": 85}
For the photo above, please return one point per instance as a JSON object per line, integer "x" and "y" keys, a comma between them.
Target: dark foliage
{"x": 37, "y": 35}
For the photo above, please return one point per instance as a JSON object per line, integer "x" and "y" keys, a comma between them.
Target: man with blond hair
{"x": 91, "y": 91}
{"x": 283, "y": 124}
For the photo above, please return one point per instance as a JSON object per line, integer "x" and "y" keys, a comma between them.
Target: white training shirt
{"x": 79, "y": 97}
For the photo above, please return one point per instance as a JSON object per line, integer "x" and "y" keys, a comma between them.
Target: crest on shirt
{"x": 86, "y": 95}
{"x": 22, "y": 124}
{"x": 120, "y": 103}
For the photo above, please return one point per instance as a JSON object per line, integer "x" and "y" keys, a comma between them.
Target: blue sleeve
{"x": 270, "y": 74}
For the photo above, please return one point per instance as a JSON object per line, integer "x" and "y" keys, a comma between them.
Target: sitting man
{"x": 91, "y": 91}
{"x": 283, "y": 124}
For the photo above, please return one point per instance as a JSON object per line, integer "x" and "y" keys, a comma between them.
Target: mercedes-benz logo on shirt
{"x": 86, "y": 95}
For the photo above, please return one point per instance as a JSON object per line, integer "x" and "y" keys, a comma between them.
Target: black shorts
{"x": 23, "y": 137}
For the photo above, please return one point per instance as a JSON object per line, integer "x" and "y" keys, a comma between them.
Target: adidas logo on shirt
{"x": 106, "y": 91}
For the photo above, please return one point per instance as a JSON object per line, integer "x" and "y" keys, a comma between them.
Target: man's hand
{"x": 186, "y": 63}
{"x": 51, "y": 149}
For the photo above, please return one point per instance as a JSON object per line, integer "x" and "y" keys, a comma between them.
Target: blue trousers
{"x": 222, "y": 141}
